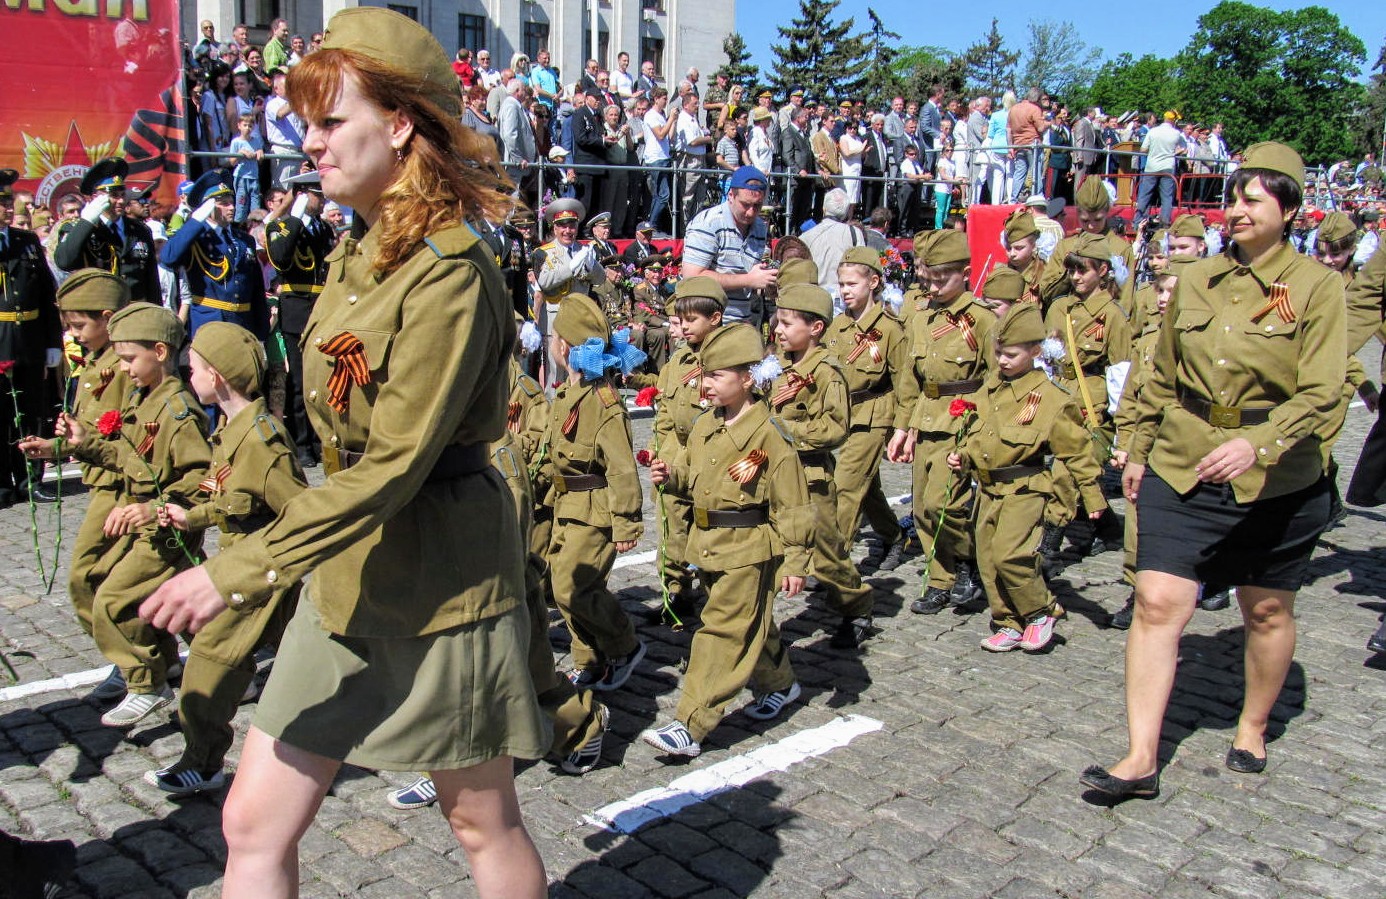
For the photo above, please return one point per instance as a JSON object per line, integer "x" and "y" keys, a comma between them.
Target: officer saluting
{"x": 224, "y": 275}
{"x": 563, "y": 266}
{"x": 30, "y": 340}
{"x": 108, "y": 239}
{"x": 299, "y": 242}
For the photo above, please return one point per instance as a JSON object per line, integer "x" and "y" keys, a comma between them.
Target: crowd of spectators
{"x": 626, "y": 142}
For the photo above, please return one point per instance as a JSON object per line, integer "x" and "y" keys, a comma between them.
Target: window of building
{"x": 652, "y": 49}
{"x": 656, "y": 5}
{"x": 604, "y": 46}
{"x": 471, "y": 32}
{"x": 259, "y": 13}
{"x": 410, "y": 11}
{"x": 536, "y": 36}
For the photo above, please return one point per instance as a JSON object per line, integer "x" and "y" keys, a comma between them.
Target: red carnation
{"x": 6, "y": 366}
{"x": 109, "y": 423}
{"x": 960, "y": 407}
{"x": 646, "y": 396}
{"x": 643, "y": 458}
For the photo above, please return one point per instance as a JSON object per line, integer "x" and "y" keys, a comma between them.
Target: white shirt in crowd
{"x": 656, "y": 149}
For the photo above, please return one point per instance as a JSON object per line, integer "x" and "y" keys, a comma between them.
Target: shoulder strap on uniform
{"x": 779, "y": 426}
{"x": 266, "y": 427}
{"x": 178, "y": 407}
{"x": 607, "y": 393}
{"x": 530, "y": 386}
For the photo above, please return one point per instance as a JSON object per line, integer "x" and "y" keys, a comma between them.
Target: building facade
{"x": 674, "y": 34}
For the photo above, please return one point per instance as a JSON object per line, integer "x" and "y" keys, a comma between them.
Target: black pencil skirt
{"x": 1206, "y": 535}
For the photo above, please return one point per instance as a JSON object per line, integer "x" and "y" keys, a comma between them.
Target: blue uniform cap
{"x": 211, "y": 184}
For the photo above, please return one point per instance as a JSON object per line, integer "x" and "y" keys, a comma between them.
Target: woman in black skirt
{"x": 1226, "y": 461}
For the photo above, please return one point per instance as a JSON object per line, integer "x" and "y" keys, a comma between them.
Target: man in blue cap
{"x": 219, "y": 260}
{"x": 729, "y": 242}
{"x": 105, "y": 237}
{"x": 30, "y": 342}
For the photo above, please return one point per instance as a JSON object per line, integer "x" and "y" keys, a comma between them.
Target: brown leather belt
{"x": 578, "y": 483}
{"x": 456, "y": 461}
{"x": 742, "y": 518}
{"x": 1006, "y": 474}
{"x": 934, "y": 390}
{"x": 1223, "y": 416}
{"x": 861, "y": 396}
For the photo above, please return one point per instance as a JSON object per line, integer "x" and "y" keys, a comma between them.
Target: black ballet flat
{"x": 1243, "y": 762}
{"x": 1099, "y": 779}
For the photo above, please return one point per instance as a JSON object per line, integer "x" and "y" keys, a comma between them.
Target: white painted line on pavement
{"x": 66, "y": 682}
{"x": 631, "y": 814}
{"x": 900, "y": 500}
{"x": 634, "y": 559}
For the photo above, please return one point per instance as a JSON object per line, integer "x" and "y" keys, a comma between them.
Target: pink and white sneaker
{"x": 1038, "y": 633}
{"x": 1004, "y": 640}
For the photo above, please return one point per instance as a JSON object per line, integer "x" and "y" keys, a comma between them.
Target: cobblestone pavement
{"x": 969, "y": 788}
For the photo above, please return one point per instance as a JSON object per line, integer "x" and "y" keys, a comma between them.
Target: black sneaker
{"x": 851, "y": 633}
{"x": 932, "y": 602}
{"x": 1215, "y": 602}
{"x": 1051, "y": 544}
{"x": 966, "y": 588}
{"x": 618, "y": 671}
{"x": 36, "y": 870}
{"x": 1121, "y": 620}
{"x": 1377, "y": 641}
{"x": 894, "y": 555}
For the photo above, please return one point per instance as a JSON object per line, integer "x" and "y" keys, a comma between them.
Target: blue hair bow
{"x": 627, "y": 357}
{"x": 590, "y": 358}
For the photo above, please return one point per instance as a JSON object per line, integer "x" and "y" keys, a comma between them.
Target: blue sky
{"x": 1159, "y": 28}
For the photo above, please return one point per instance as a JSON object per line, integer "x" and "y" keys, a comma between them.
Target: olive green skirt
{"x": 447, "y": 700}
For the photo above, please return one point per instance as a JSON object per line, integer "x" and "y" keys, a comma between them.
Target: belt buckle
{"x": 331, "y": 460}
{"x": 1225, "y": 416}
{"x": 931, "y": 390}
{"x": 560, "y": 483}
{"x": 700, "y": 518}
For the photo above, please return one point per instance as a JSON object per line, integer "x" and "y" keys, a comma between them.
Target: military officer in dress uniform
{"x": 298, "y": 246}
{"x": 599, "y": 229}
{"x": 223, "y": 273}
{"x": 106, "y": 238}
{"x": 30, "y": 342}
{"x": 563, "y": 267}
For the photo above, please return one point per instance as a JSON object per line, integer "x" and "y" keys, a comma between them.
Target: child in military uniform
{"x": 757, "y": 523}
{"x": 1096, "y": 335}
{"x": 162, "y": 457}
{"x": 1021, "y": 417}
{"x": 87, "y": 300}
{"x": 697, "y": 305}
{"x": 871, "y": 350}
{"x": 949, "y": 338}
{"x": 254, "y": 472}
{"x": 1020, "y": 238}
{"x": 596, "y": 494}
{"x": 810, "y": 401}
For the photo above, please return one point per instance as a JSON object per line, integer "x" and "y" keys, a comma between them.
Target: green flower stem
{"x": 943, "y": 510}
{"x": 161, "y": 500}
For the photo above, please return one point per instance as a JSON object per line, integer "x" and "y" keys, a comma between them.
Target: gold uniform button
{"x": 86, "y": 385}
{"x": 333, "y": 441}
{"x": 317, "y": 340}
{"x": 1270, "y": 327}
{"x": 1222, "y": 362}
{"x": 312, "y": 394}
{"x": 237, "y": 599}
{"x": 1262, "y": 451}
{"x": 272, "y": 576}
{"x": 352, "y": 298}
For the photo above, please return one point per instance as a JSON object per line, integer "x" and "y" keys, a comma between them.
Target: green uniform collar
{"x": 744, "y": 428}
{"x": 1268, "y": 272}
{"x": 233, "y": 431}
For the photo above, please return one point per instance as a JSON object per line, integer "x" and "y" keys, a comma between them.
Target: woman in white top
{"x": 761, "y": 150}
{"x": 851, "y": 147}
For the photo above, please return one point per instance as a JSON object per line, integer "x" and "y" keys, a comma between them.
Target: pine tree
{"x": 882, "y": 82}
{"x": 739, "y": 69}
{"x": 820, "y": 57}
{"x": 1372, "y": 122}
{"x": 991, "y": 67}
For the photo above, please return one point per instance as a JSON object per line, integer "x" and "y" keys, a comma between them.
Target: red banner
{"x": 86, "y": 80}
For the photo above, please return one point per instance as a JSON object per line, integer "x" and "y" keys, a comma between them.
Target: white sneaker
{"x": 113, "y": 687}
{"x": 673, "y": 739}
{"x": 419, "y": 794}
{"x": 770, "y": 705}
{"x": 136, "y": 707}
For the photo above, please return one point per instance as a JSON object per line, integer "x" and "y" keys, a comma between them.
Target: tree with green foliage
{"x": 990, "y": 66}
{"x": 1057, "y": 60}
{"x": 882, "y": 82}
{"x": 1139, "y": 85}
{"x": 1269, "y": 75}
{"x": 919, "y": 68}
{"x": 1371, "y": 122}
{"x": 738, "y": 68}
{"x": 823, "y": 58}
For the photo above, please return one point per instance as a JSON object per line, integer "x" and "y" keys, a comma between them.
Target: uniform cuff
{"x": 245, "y": 574}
